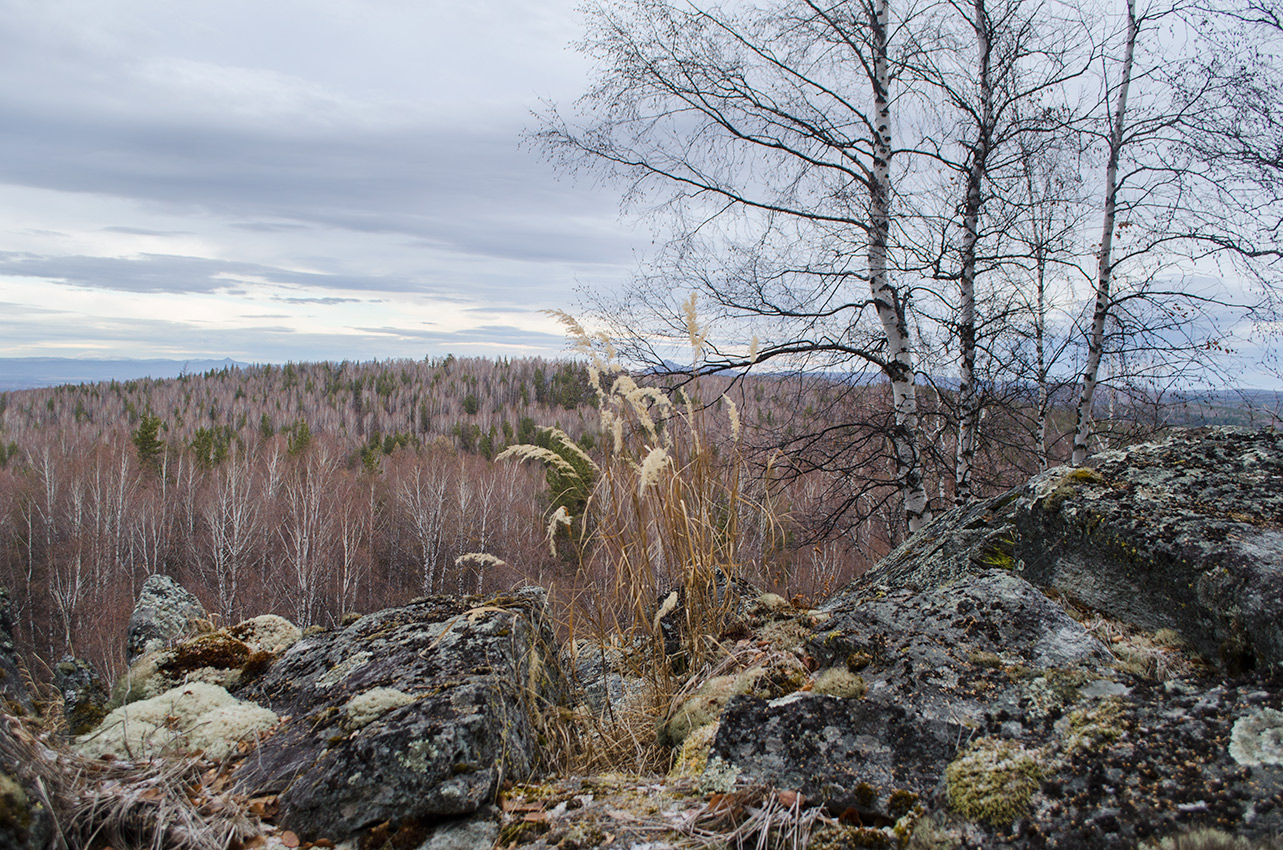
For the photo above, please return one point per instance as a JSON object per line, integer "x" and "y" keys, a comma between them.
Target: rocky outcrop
{"x": 26, "y": 822}
{"x": 407, "y": 715}
{"x": 1184, "y": 534}
{"x": 164, "y": 612}
{"x": 14, "y": 697}
{"x": 84, "y": 697}
{"x": 1088, "y": 662}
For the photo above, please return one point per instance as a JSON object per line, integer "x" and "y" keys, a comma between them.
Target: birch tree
{"x": 767, "y": 134}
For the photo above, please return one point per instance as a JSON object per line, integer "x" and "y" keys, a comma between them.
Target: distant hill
{"x": 23, "y": 373}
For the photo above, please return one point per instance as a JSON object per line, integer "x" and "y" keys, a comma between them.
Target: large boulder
{"x": 1185, "y": 534}
{"x": 978, "y": 709}
{"x": 408, "y": 715}
{"x": 164, "y": 613}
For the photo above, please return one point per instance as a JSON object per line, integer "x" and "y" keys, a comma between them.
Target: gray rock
{"x": 875, "y": 758}
{"x": 602, "y": 673}
{"x": 409, "y": 713}
{"x": 1185, "y": 533}
{"x": 163, "y": 613}
{"x": 14, "y": 697}
{"x": 84, "y": 697}
{"x": 25, "y": 820}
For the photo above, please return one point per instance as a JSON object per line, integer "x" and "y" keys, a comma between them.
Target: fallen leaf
{"x": 536, "y": 817}
{"x": 289, "y": 839}
{"x": 791, "y": 798}
{"x": 151, "y": 795}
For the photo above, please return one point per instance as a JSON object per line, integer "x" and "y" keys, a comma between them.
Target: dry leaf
{"x": 791, "y": 798}
{"x": 151, "y": 795}
{"x": 289, "y": 839}
{"x": 536, "y": 817}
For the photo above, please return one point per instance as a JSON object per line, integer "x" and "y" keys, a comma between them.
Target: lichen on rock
{"x": 1257, "y": 738}
{"x": 191, "y": 718}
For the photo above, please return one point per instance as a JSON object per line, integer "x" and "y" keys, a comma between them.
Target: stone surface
{"x": 1185, "y": 534}
{"x": 479, "y": 676}
{"x": 84, "y": 697}
{"x": 14, "y": 696}
{"x": 163, "y": 613}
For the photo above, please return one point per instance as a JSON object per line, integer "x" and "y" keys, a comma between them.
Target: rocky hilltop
{"x": 1091, "y": 660}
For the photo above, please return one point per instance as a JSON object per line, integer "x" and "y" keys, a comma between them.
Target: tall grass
{"x": 657, "y": 523}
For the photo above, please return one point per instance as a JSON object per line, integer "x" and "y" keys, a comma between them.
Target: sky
{"x": 291, "y": 180}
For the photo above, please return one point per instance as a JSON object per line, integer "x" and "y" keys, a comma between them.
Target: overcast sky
{"x": 291, "y": 179}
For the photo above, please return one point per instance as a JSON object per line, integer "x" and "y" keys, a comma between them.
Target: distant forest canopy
{"x": 315, "y": 490}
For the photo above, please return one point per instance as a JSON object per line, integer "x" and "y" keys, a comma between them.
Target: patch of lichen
{"x": 993, "y": 781}
{"x": 999, "y": 553}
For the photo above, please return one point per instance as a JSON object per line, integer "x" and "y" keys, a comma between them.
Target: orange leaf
{"x": 152, "y": 794}
{"x": 791, "y": 798}
{"x": 289, "y": 839}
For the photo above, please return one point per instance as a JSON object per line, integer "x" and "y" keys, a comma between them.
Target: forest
{"x": 321, "y": 489}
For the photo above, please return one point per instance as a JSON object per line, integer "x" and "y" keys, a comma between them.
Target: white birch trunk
{"x": 968, "y": 398}
{"x": 890, "y": 308}
{"x": 1105, "y": 264}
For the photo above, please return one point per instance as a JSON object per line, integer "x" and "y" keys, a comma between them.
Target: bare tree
{"x": 767, "y": 134}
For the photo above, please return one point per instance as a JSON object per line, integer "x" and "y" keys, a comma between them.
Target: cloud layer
{"x": 171, "y": 175}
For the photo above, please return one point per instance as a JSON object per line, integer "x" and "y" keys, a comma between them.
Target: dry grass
{"x": 165, "y": 804}
{"x": 663, "y": 509}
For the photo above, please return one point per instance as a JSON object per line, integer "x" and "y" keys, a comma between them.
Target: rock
{"x": 910, "y": 674}
{"x": 407, "y": 715}
{"x": 196, "y": 717}
{"x": 84, "y": 697}
{"x": 14, "y": 696}
{"x": 25, "y": 821}
{"x": 163, "y": 613}
{"x": 1183, "y": 534}
{"x": 603, "y": 673}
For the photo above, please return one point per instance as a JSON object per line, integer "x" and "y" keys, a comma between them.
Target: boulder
{"x": 14, "y": 696}
{"x": 411, "y": 714}
{"x": 163, "y": 614}
{"x": 1185, "y": 534}
{"x": 985, "y": 715}
{"x": 25, "y": 820}
{"x": 84, "y": 697}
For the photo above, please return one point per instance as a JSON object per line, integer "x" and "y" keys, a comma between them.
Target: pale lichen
{"x": 364, "y": 709}
{"x": 1257, "y": 738}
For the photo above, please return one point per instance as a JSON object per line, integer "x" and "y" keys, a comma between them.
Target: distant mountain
{"x": 24, "y": 373}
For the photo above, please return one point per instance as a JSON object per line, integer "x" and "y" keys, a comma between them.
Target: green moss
{"x": 15, "y": 810}
{"x": 1093, "y": 727}
{"x": 993, "y": 781}
{"x": 843, "y": 837}
{"x": 865, "y": 795}
{"x": 901, "y": 802}
{"x": 1085, "y": 475}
